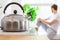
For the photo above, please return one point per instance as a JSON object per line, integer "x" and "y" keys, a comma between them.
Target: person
{"x": 50, "y": 24}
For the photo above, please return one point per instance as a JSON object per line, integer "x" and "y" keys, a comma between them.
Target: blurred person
{"x": 50, "y": 24}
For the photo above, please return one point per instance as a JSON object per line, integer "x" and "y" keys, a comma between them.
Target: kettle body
{"x": 14, "y": 22}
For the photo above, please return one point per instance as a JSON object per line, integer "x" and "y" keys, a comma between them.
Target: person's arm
{"x": 46, "y": 22}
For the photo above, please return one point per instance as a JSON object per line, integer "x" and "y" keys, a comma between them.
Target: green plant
{"x": 30, "y": 12}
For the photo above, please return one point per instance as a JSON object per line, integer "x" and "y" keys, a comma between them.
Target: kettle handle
{"x": 11, "y": 4}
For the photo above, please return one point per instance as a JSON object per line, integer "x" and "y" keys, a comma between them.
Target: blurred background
{"x": 43, "y": 12}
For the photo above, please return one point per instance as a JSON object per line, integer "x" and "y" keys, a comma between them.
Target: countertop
{"x": 21, "y": 36}
{"x": 24, "y": 36}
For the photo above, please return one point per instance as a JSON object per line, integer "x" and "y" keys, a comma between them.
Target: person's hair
{"x": 54, "y": 6}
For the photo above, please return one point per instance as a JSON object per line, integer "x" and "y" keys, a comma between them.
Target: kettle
{"x": 14, "y": 22}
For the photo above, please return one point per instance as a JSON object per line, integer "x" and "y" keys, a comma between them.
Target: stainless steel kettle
{"x": 14, "y": 22}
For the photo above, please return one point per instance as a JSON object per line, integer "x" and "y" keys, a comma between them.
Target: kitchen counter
{"x": 21, "y": 36}
{"x": 24, "y": 36}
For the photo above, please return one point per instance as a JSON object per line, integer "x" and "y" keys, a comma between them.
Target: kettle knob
{"x": 15, "y": 11}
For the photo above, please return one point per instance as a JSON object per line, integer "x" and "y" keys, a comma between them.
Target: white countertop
{"x": 15, "y": 33}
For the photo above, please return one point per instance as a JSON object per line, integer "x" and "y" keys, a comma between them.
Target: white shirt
{"x": 51, "y": 18}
